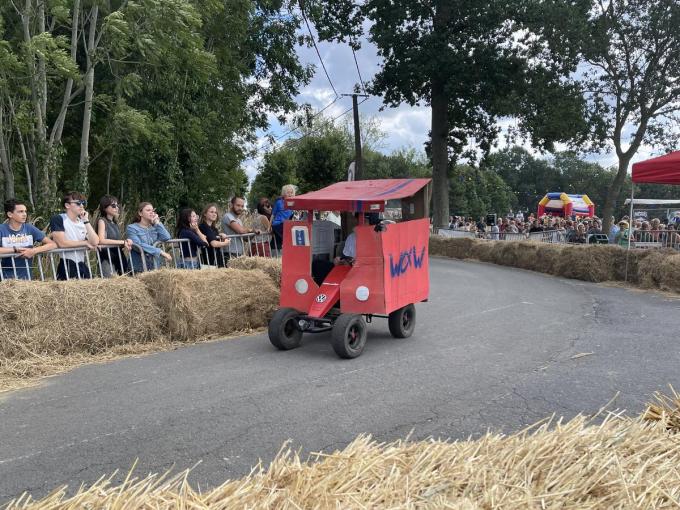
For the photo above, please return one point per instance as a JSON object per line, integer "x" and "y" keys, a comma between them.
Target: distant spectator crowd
{"x": 202, "y": 240}
{"x": 579, "y": 230}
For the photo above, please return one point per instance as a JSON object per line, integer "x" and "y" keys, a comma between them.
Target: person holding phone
{"x": 112, "y": 259}
{"x": 187, "y": 228}
{"x": 146, "y": 230}
{"x": 72, "y": 229}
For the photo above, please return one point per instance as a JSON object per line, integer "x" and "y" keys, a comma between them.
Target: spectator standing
{"x": 187, "y": 228}
{"x": 18, "y": 238}
{"x": 146, "y": 230}
{"x": 212, "y": 254}
{"x": 233, "y": 226}
{"x": 280, "y": 213}
{"x": 72, "y": 229}
{"x": 113, "y": 261}
{"x": 260, "y": 244}
{"x": 613, "y": 231}
{"x": 622, "y": 238}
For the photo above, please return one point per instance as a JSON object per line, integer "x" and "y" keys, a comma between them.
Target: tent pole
{"x": 630, "y": 224}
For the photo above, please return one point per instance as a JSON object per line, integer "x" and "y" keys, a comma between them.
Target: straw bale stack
{"x": 271, "y": 267}
{"x": 594, "y": 263}
{"x": 201, "y": 304}
{"x": 48, "y": 318}
{"x": 620, "y": 463}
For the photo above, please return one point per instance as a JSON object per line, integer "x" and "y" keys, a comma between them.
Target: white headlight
{"x": 362, "y": 293}
{"x": 301, "y": 286}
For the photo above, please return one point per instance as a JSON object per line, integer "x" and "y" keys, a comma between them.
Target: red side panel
{"x": 406, "y": 268}
{"x": 368, "y": 271}
{"x": 661, "y": 170}
{"x": 329, "y": 292}
{"x": 297, "y": 265}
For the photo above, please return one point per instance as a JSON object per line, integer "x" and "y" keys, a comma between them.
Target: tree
{"x": 477, "y": 192}
{"x": 154, "y": 99}
{"x": 277, "y": 170}
{"x": 461, "y": 59}
{"x": 629, "y": 75}
{"x": 528, "y": 177}
{"x": 400, "y": 164}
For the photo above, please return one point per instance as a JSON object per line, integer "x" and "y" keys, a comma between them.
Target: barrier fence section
{"x": 649, "y": 239}
{"x": 107, "y": 261}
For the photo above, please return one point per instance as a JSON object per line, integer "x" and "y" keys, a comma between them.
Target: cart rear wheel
{"x": 402, "y": 322}
{"x": 349, "y": 335}
{"x": 284, "y": 333}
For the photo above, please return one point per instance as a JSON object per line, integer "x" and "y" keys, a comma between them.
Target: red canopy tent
{"x": 661, "y": 170}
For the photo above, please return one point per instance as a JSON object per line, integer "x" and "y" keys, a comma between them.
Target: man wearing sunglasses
{"x": 72, "y": 229}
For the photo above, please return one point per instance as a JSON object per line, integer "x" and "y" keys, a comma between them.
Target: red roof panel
{"x": 661, "y": 170}
{"x": 357, "y": 196}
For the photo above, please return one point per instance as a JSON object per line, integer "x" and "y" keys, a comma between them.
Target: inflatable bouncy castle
{"x": 561, "y": 204}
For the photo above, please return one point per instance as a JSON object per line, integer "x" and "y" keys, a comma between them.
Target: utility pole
{"x": 358, "y": 163}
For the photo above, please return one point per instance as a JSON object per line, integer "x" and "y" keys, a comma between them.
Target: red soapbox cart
{"x": 388, "y": 275}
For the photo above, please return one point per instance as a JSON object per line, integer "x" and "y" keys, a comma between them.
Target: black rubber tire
{"x": 349, "y": 335}
{"x": 284, "y": 333}
{"x": 402, "y": 322}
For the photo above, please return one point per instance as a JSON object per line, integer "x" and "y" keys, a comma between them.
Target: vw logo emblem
{"x": 321, "y": 298}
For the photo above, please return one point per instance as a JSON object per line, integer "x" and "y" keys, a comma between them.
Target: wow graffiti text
{"x": 407, "y": 259}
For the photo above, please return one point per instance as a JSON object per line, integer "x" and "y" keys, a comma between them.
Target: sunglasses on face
{"x": 79, "y": 202}
{"x": 115, "y": 206}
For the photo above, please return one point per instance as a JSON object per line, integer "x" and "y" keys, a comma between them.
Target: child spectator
{"x": 146, "y": 230}
{"x": 18, "y": 237}
{"x": 72, "y": 229}
{"x": 113, "y": 261}
{"x": 187, "y": 228}
{"x": 212, "y": 255}
{"x": 262, "y": 222}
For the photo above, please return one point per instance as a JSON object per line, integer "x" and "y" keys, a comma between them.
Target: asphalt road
{"x": 492, "y": 349}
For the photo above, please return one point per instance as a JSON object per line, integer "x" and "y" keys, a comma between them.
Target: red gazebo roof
{"x": 357, "y": 196}
{"x": 661, "y": 170}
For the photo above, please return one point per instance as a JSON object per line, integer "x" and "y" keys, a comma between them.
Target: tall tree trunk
{"x": 439, "y": 102}
{"x": 108, "y": 172}
{"x": 83, "y": 182}
{"x": 440, "y": 158}
{"x": 5, "y": 161}
{"x": 613, "y": 192}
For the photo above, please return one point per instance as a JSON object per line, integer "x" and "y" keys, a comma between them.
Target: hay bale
{"x": 620, "y": 463}
{"x": 271, "y": 267}
{"x": 456, "y": 248}
{"x": 201, "y": 304}
{"x": 48, "y": 318}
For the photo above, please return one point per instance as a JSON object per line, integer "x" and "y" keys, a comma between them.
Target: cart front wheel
{"x": 284, "y": 333}
{"x": 349, "y": 335}
{"x": 402, "y": 322}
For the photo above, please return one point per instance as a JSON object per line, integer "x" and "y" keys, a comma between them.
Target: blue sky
{"x": 404, "y": 126}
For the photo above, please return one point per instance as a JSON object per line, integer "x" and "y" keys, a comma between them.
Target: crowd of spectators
{"x": 204, "y": 240}
{"x": 579, "y": 230}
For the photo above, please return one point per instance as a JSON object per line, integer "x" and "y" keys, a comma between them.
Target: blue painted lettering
{"x": 406, "y": 259}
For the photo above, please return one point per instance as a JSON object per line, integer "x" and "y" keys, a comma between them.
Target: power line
{"x": 363, "y": 87}
{"x": 271, "y": 143}
{"x": 304, "y": 17}
{"x": 313, "y": 131}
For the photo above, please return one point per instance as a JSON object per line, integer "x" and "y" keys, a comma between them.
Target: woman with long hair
{"x": 212, "y": 254}
{"x": 146, "y": 230}
{"x": 187, "y": 228}
{"x": 113, "y": 260}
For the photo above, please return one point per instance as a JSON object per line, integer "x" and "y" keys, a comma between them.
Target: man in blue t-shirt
{"x": 17, "y": 240}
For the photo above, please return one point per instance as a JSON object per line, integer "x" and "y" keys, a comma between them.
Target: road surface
{"x": 494, "y": 348}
